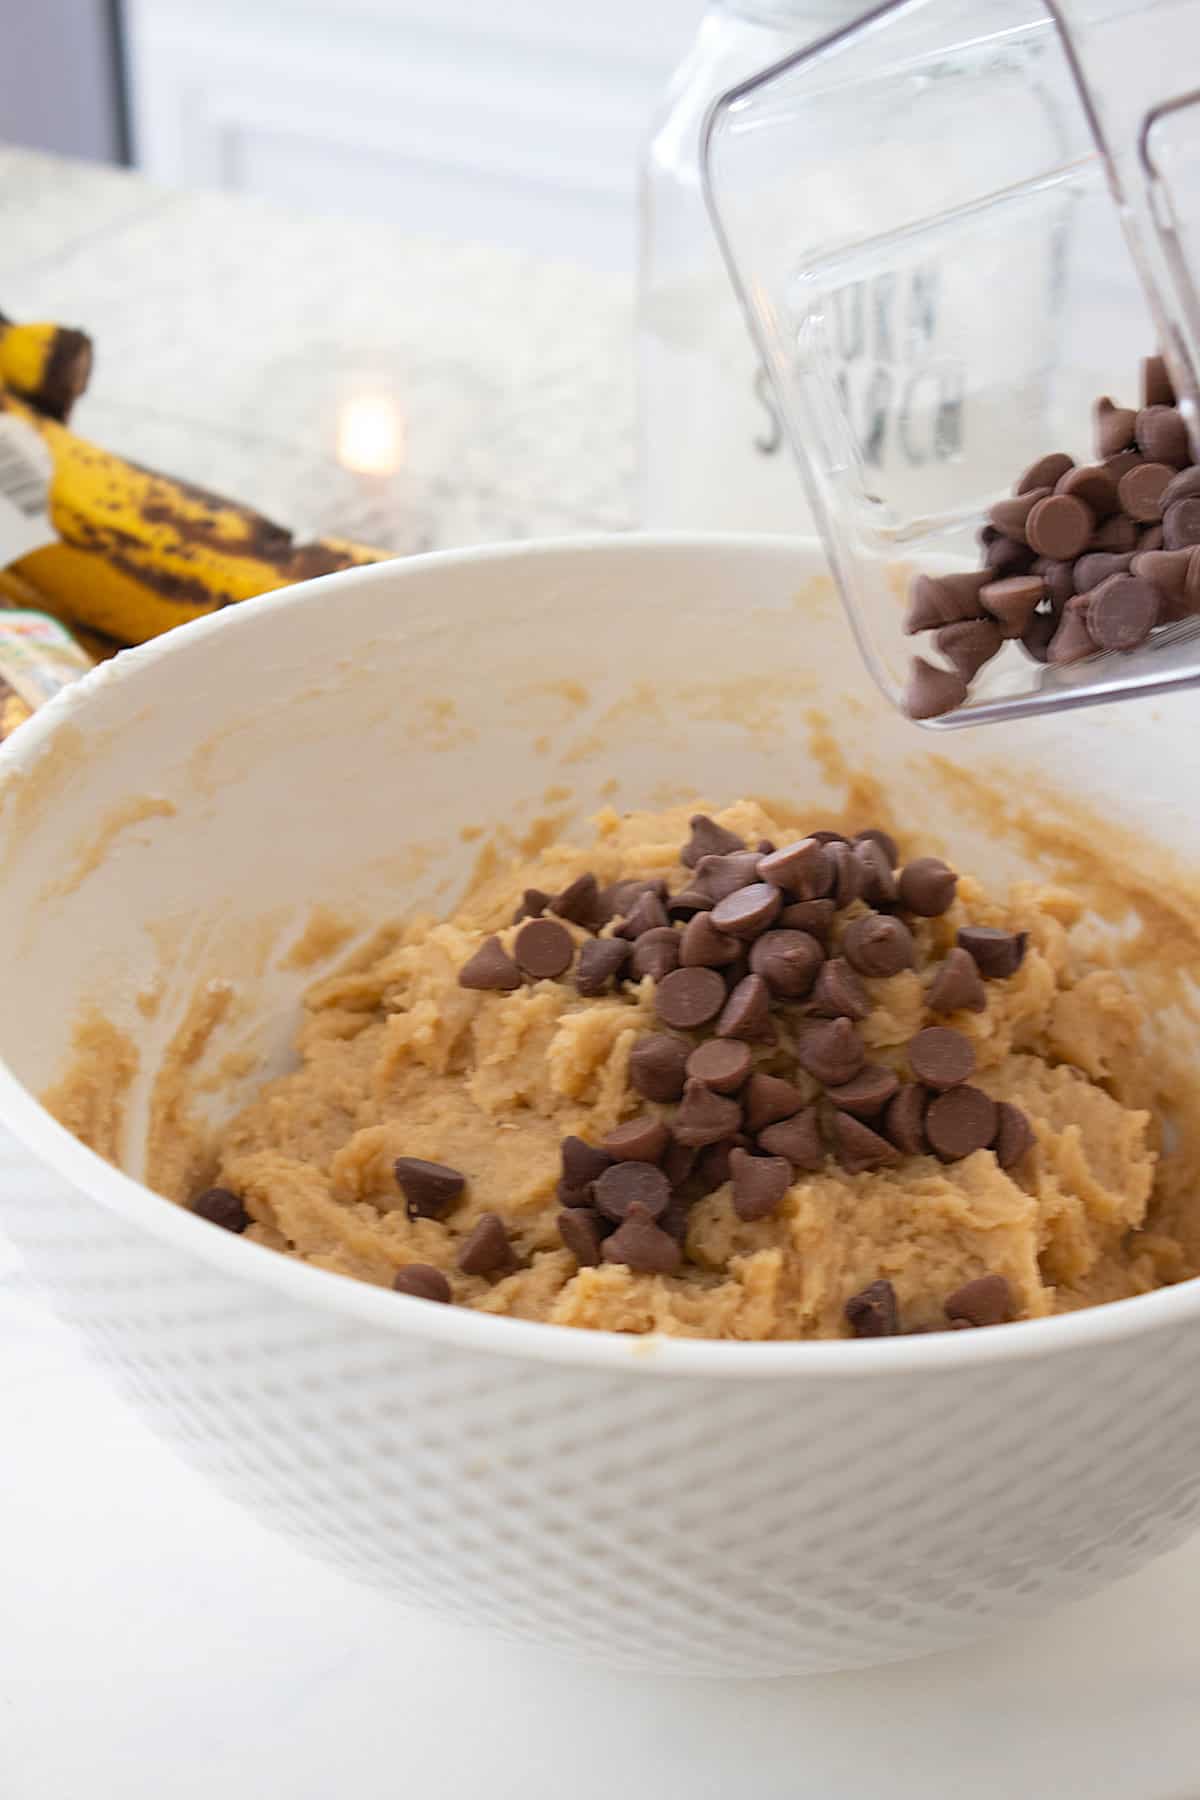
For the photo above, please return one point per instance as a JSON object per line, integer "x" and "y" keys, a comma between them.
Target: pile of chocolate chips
{"x": 746, "y": 953}
{"x": 1080, "y": 560}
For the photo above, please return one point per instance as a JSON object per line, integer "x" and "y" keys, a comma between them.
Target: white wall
{"x": 516, "y": 121}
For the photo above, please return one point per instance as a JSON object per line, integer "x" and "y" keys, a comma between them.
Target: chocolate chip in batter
{"x": 544, "y": 949}
{"x": 712, "y": 1163}
{"x": 814, "y": 916}
{"x": 220, "y": 1206}
{"x": 831, "y": 1053}
{"x": 641, "y": 1245}
{"x": 491, "y": 969}
{"x": 858, "y": 1147}
{"x": 579, "y": 901}
{"x": 874, "y": 1312}
{"x": 677, "y": 1162}
{"x": 997, "y": 954}
{"x": 628, "y": 1184}
{"x": 688, "y": 998}
{"x": 759, "y": 1184}
{"x": 957, "y": 986}
{"x": 636, "y": 1140}
{"x": 600, "y": 960}
{"x": 927, "y": 886}
{"x": 788, "y": 961}
{"x": 423, "y": 1282}
{"x": 767, "y": 1099}
{"x": 877, "y": 945}
{"x": 533, "y": 904}
{"x": 721, "y": 1064}
{"x": 580, "y": 1232}
{"x": 985, "y": 1301}
{"x": 798, "y": 1140}
{"x": 961, "y": 1122}
{"x": 704, "y": 1117}
{"x": 1014, "y": 1135}
{"x": 646, "y": 914}
{"x": 721, "y": 876}
{"x": 486, "y": 1250}
{"x": 838, "y": 993}
{"x": 941, "y": 1057}
{"x": 847, "y": 873}
{"x": 904, "y": 1121}
{"x": 429, "y": 1188}
{"x": 804, "y": 869}
{"x": 877, "y": 880}
{"x": 656, "y": 1067}
{"x": 702, "y": 946}
{"x": 747, "y": 1012}
{"x": 873, "y": 834}
{"x": 655, "y": 953}
{"x": 582, "y": 1163}
{"x": 708, "y": 839}
{"x": 749, "y": 911}
{"x": 867, "y": 1093}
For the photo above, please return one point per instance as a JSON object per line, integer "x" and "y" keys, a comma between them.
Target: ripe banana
{"x": 140, "y": 552}
{"x": 48, "y": 365}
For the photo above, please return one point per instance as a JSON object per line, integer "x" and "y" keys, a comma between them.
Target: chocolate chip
{"x": 1059, "y": 578}
{"x": 423, "y": 1282}
{"x": 878, "y": 884}
{"x": 1072, "y": 641}
{"x": 904, "y": 1121}
{"x": 1014, "y": 1135}
{"x": 960, "y": 1122}
{"x": 768, "y": 1099}
{"x": 721, "y": 1065}
{"x": 797, "y": 1139}
{"x": 1045, "y": 472}
{"x": 1181, "y": 524}
{"x": 1150, "y": 537}
{"x": 885, "y": 841}
{"x": 932, "y": 691}
{"x": 935, "y": 600}
{"x": 838, "y": 993}
{"x": 1184, "y": 486}
{"x": 1095, "y": 486}
{"x": 544, "y": 949}
{"x": 814, "y": 916}
{"x": 1141, "y": 491}
{"x": 637, "y": 1140}
{"x": 831, "y": 1053}
{"x": 490, "y": 969}
{"x": 656, "y": 1067}
{"x": 655, "y": 953}
{"x": 1060, "y": 526}
{"x": 580, "y": 1232}
{"x": 1116, "y": 427}
{"x": 868, "y": 1092}
{"x": 748, "y": 911}
{"x": 704, "y": 1117}
{"x": 641, "y": 1246}
{"x": 582, "y": 1163}
{"x": 702, "y": 946}
{"x": 579, "y": 901}
{"x": 220, "y": 1206}
{"x": 997, "y": 954}
{"x": 878, "y": 945}
{"x": 957, "y": 986}
{"x": 1036, "y": 639}
{"x": 677, "y": 1162}
{"x": 677, "y": 1217}
{"x": 1168, "y": 571}
{"x": 1122, "y": 611}
{"x": 486, "y": 1250}
{"x": 803, "y": 868}
{"x": 628, "y": 1184}
{"x": 1157, "y": 386}
{"x": 533, "y": 904}
{"x": 1011, "y": 517}
{"x": 712, "y": 1163}
{"x": 721, "y": 876}
{"x": 970, "y": 644}
{"x": 759, "y": 1184}
{"x": 847, "y": 872}
{"x": 623, "y": 895}
{"x": 985, "y": 1301}
{"x": 600, "y": 959}
{"x": 687, "y": 903}
{"x": 572, "y": 1197}
{"x": 858, "y": 1147}
{"x": 829, "y": 837}
{"x": 928, "y": 886}
{"x": 1121, "y": 463}
{"x": 708, "y": 839}
{"x": 874, "y": 1313}
{"x": 1097, "y": 566}
{"x": 766, "y": 846}
{"x": 429, "y": 1188}
{"x": 941, "y": 1057}
{"x": 788, "y": 962}
{"x": 1006, "y": 556}
{"x": 1013, "y": 602}
{"x": 747, "y": 1011}
{"x": 646, "y": 914}
{"x": 687, "y": 998}
{"x": 1162, "y": 436}
{"x": 1118, "y": 534}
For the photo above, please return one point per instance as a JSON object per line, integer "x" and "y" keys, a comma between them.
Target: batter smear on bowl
{"x": 713, "y": 1079}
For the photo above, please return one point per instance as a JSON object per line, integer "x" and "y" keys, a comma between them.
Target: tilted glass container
{"x": 1006, "y": 193}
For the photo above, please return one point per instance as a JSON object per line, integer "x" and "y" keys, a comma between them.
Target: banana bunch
{"x": 136, "y": 552}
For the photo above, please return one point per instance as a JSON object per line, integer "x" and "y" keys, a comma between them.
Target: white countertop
{"x": 154, "y": 1640}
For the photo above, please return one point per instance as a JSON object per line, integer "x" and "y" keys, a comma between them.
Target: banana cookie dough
{"x": 712, "y": 1078}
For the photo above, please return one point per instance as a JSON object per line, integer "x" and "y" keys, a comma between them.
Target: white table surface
{"x": 155, "y": 1642}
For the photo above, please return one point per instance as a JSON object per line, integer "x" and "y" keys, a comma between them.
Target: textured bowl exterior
{"x": 732, "y": 1510}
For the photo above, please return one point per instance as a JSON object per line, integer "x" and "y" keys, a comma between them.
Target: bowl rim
{"x": 361, "y": 1303}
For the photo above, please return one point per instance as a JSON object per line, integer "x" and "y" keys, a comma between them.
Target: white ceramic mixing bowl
{"x": 731, "y": 1509}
